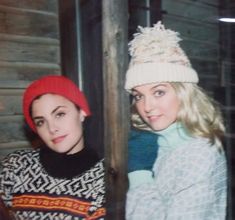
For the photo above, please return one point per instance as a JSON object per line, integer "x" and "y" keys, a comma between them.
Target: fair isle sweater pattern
{"x": 34, "y": 195}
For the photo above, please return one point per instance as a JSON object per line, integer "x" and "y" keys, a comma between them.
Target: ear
{"x": 82, "y": 115}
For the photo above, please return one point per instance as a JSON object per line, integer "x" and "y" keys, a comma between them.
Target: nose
{"x": 149, "y": 104}
{"x": 52, "y": 127}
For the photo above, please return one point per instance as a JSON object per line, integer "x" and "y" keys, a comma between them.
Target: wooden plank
{"x": 15, "y": 10}
{"x": 209, "y": 84}
{"x": 10, "y": 76}
{"x": 12, "y": 129}
{"x": 30, "y": 23}
{"x": 214, "y": 3}
{"x": 14, "y": 145}
{"x": 29, "y": 65}
{"x": 29, "y": 39}
{"x": 14, "y": 71}
{"x": 11, "y": 92}
{"x": 11, "y": 101}
{"x": 209, "y": 73}
{"x": 206, "y": 66}
{"x": 201, "y": 50}
{"x": 193, "y": 29}
{"x": 29, "y": 52}
{"x": 116, "y": 104}
{"x": 191, "y": 9}
{"x": 43, "y": 5}
{"x": 13, "y": 84}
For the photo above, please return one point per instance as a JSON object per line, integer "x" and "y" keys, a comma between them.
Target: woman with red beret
{"x": 64, "y": 179}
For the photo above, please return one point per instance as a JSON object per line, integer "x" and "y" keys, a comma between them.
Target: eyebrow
{"x": 60, "y": 106}
{"x": 160, "y": 84}
{"x": 53, "y": 111}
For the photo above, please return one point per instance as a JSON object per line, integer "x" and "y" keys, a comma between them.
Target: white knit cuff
{"x": 144, "y": 73}
{"x": 139, "y": 177}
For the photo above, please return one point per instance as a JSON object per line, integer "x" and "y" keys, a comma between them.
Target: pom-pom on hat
{"x": 53, "y": 84}
{"x": 156, "y": 56}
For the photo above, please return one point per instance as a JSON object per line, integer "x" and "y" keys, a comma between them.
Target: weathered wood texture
{"x": 116, "y": 105}
{"x": 81, "y": 50}
{"x": 91, "y": 38}
{"x": 196, "y": 21}
{"x": 29, "y": 48}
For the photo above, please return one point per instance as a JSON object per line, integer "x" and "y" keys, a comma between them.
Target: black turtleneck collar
{"x": 61, "y": 165}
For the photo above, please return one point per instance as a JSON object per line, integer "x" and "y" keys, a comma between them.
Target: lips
{"x": 58, "y": 139}
{"x": 153, "y": 117}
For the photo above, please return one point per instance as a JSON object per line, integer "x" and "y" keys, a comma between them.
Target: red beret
{"x": 54, "y": 84}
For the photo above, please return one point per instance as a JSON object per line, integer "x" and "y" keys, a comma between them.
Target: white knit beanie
{"x": 156, "y": 56}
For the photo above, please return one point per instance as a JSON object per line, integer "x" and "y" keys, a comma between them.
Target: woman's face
{"x": 59, "y": 123}
{"x": 157, "y": 104}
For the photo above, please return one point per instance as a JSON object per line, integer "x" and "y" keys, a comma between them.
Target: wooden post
{"x": 116, "y": 106}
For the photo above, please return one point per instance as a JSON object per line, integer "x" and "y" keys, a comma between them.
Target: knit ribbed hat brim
{"x": 145, "y": 73}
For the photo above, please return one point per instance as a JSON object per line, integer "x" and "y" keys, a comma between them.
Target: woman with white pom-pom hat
{"x": 177, "y": 166}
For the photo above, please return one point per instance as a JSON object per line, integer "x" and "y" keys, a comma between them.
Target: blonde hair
{"x": 199, "y": 114}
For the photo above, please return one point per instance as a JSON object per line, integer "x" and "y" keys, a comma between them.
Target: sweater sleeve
{"x": 142, "y": 203}
{"x": 199, "y": 192}
{"x": 7, "y": 177}
{"x": 190, "y": 184}
{"x": 139, "y": 177}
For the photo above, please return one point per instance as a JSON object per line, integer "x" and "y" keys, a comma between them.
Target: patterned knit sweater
{"x": 33, "y": 194}
{"x": 188, "y": 182}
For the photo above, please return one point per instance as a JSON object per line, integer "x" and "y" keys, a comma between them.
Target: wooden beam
{"x": 69, "y": 38}
{"x": 116, "y": 105}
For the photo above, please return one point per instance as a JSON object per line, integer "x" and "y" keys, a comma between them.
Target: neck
{"x": 62, "y": 165}
{"x": 77, "y": 147}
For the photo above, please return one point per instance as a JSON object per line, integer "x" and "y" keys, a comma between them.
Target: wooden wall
{"x": 197, "y": 24}
{"x": 29, "y": 48}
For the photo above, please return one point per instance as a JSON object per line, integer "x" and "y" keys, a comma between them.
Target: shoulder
{"x": 20, "y": 156}
{"x": 15, "y": 163}
{"x": 197, "y": 161}
{"x": 100, "y": 164}
{"x": 199, "y": 156}
{"x": 201, "y": 149}
{"x": 98, "y": 168}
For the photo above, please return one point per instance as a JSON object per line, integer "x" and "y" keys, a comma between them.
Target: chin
{"x": 60, "y": 150}
{"x": 156, "y": 128}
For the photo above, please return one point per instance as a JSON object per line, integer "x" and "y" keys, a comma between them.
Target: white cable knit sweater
{"x": 189, "y": 181}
